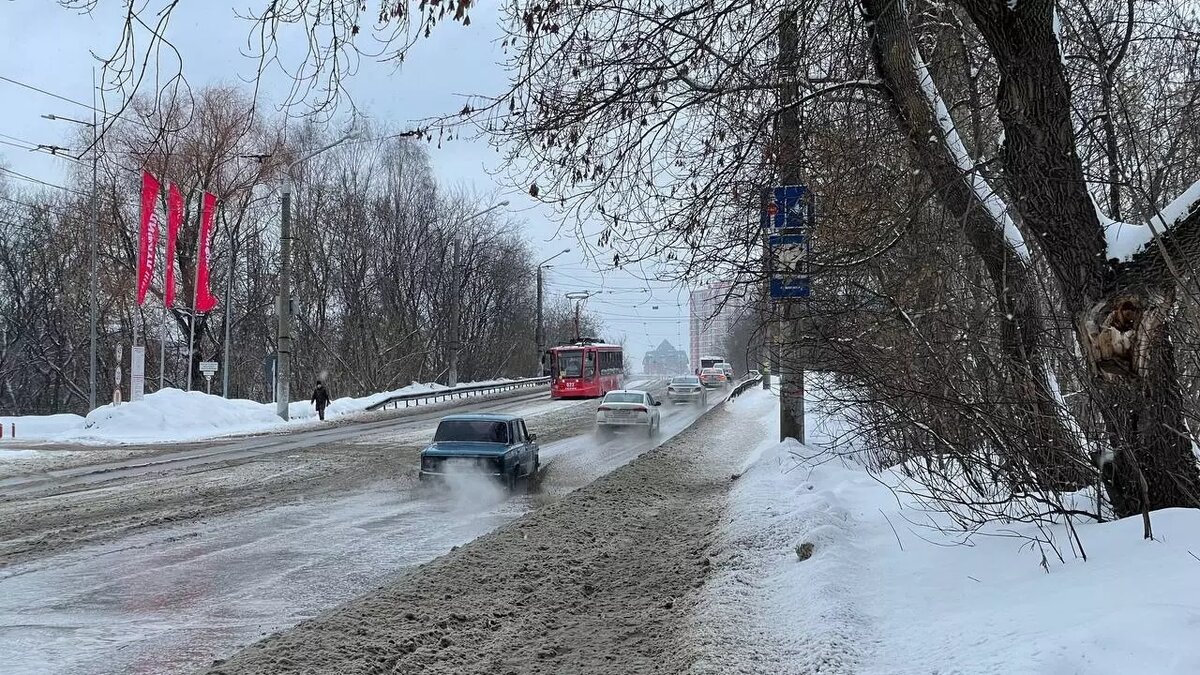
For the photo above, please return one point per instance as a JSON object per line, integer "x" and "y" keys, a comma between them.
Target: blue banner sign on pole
{"x": 789, "y": 265}
{"x": 787, "y": 209}
{"x": 784, "y": 287}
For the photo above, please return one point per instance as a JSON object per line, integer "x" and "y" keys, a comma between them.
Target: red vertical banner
{"x": 205, "y": 300}
{"x": 174, "y": 220}
{"x": 147, "y": 235}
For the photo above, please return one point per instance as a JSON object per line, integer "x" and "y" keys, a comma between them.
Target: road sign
{"x": 137, "y": 373}
{"x": 269, "y": 374}
{"x": 789, "y": 266}
{"x": 787, "y": 208}
{"x": 208, "y": 367}
{"x": 789, "y": 252}
{"x": 784, "y": 287}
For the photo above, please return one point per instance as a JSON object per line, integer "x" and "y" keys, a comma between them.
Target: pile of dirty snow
{"x": 885, "y": 591}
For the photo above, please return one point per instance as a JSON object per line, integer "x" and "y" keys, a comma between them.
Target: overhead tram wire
{"x": 18, "y": 145}
{"x": 31, "y": 179}
{"x": 49, "y": 93}
{"x": 105, "y": 114}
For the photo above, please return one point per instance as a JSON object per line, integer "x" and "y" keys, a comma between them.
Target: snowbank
{"x": 885, "y": 593}
{"x": 172, "y": 415}
{"x": 40, "y": 426}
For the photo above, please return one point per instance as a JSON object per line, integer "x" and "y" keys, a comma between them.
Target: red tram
{"x": 585, "y": 370}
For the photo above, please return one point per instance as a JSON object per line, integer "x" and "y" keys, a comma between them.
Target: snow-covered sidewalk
{"x": 883, "y": 594}
{"x": 172, "y": 415}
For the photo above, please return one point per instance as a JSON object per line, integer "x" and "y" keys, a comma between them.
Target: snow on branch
{"x": 979, "y": 185}
{"x": 1125, "y": 240}
{"x": 1174, "y": 213}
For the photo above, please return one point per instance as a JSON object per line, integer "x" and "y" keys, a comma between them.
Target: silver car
{"x": 687, "y": 389}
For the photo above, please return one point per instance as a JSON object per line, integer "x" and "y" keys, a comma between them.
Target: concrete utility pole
{"x": 93, "y": 236}
{"x": 228, "y": 305}
{"x": 92, "y": 239}
{"x": 456, "y": 281}
{"x": 283, "y": 335}
{"x": 791, "y": 366}
{"x": 283, "y": 310}
{"x": 540, "y": 336}
{"x": 539, "y": 333}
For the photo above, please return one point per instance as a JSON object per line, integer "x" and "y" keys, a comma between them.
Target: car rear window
{"x": 479, "y": 431}
{"x": 624, "y": 397}
{"x": 686, "y": 380}
{"x": 711, "y": 371}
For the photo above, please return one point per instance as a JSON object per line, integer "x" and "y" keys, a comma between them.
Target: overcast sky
{"x": 51, "y": 48}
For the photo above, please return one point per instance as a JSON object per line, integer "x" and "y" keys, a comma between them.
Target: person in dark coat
{"x": 320, "y": 398}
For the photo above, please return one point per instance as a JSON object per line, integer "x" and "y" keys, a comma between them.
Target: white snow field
{"x": 886, "y": 593}
{"x": 173, "y": 415}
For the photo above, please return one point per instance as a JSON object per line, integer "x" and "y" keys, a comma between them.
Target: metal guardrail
{"x": 457, "y": 392}
{"x": 740, "y": 388}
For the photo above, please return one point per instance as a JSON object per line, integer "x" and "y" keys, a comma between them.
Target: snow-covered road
{"x": 599, "y": 582}
{"x": 173, "y": 598}
{"x": 157, "y": 460}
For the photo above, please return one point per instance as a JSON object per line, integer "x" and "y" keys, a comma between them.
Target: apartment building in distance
{"x": 710, "y": 318}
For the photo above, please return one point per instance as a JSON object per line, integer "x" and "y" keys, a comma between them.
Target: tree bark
{"x": 1121, "y": 318}
{"x": 1055, "y": 457}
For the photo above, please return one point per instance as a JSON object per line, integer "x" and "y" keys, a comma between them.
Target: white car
{"x": 628, "y": 408}
{"x": 726, "y": 368}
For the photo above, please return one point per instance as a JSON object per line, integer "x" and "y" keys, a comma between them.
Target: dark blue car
{"x": 481, "y": 443}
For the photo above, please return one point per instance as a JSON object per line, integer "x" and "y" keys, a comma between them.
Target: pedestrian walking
{"x": 320, "y": 398}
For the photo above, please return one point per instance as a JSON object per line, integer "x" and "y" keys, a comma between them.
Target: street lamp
{"x": 283, "y": 338}
{"x": 452, "y": 371}
{"x": 540, "y": 333}
{"x": 92, "y": 237}
{"x": 493, "y": 207}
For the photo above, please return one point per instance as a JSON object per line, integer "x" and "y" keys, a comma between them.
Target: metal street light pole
{"x": 540, "y": 333}
{"x": 283, "y": 336}
{"x": 456, "y": 262}
{"x": 92, "y": 226}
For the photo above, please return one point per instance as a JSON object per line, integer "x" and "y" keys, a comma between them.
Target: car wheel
{"x": 510, "y": 480}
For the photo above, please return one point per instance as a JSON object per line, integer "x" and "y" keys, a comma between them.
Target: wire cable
{"x": 48, "y": 93}
{"x": 31, "y": 179}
